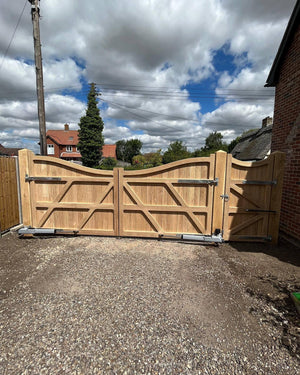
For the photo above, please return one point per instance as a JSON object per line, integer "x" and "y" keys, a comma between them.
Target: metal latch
{"x": 200, "y": 182}
{"x": 28, "y": 178}
{"x": 225, "y": 197}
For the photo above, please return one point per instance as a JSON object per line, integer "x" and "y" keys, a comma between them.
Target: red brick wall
{"x": 57, "y": 149}
{"x": 286, "y": 135}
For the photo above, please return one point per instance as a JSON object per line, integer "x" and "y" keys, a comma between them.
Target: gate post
{"x": 218, "y": 201}
{"x": 25, "y": 160}
{"x": 276, "y": 194}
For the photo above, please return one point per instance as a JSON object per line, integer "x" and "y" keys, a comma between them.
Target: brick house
{"x": 9, "y": 151}
{"x": 285, "y": 77}
{"x": 63, "y": 144}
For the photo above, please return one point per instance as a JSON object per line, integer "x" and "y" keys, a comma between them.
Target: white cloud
{"x": 160, "y": 43}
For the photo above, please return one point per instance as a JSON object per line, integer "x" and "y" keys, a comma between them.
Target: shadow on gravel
{"x": 284, "y": 251}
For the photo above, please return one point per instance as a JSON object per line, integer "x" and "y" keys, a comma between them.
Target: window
{"x": 50, "y": 149}
{"x": 69, "y": 148}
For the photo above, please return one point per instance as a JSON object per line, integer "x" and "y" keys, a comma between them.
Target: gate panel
{"x": 69, "y": 197}
{"x": 249, "y": 210}
{"x": 167, "y": 200}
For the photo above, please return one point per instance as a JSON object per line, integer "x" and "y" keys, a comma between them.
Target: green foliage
{"x": 90, "y": 132}
{"x": 126, "y": 150}
{"x": 120, "y": 150}
{"x": 213, "y": 143}
{"x": 108, "y": 163}
{"x": 152, "y": 159}
{"x": 176, "y": 151}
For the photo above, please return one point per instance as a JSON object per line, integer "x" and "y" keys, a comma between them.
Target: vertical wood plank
{"x": 276, "y": 195}
{"x": 116, "y": 192}
{"x": 218, "y": 202}
{"x": 24, "y": 169}
{"x": 227, "y": 192}
{"x": 120, "y": 202}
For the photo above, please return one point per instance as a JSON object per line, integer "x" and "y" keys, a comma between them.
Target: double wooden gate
{"x": 194, "y": 196}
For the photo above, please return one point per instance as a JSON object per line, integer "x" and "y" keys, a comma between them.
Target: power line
{"x": 13, "y": 35}
{"x": 128, "y": 109}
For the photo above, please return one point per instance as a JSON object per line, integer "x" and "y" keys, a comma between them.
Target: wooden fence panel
{"x": 167, "y": 200}
{"x": 9, "y": 205}
{"x": 250, "y": 213}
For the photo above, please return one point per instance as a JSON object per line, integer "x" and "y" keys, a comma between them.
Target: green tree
{"x": 108, "y": 163}
{"x": 176, "y": 151}
{"x": 126, "y": 150}
{"x": 149, "y": 160}
{"x": 120, "y": 150}
{"x": 214, "y": 142}
{"x": 90, "y": 131}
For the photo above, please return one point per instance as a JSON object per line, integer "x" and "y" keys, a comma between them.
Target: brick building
{"x": 285, "y": 77}
{"x": 63, "y": 144}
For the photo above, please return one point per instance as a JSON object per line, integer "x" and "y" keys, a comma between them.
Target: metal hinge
{"x": 254, "y": 182}
{"x": 200, "y": 182}
{"x": 28, "y": 178}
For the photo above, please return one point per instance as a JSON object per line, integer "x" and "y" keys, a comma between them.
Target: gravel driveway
{"x": 88, "y": 305}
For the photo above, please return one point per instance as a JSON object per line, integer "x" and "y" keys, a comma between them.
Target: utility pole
{"x": 35, "y": 14}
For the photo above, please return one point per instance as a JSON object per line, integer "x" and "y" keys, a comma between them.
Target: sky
{"x": 167, "y": 70}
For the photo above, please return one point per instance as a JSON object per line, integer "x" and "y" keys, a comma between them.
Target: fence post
{"x": 19, "y": 189}
{"x": 218, "y": 202}
{"x": 276, "y": 194}
{"x": 116, "y": 178}
{"x": 25, "y": 160}
{"x": 120, "y": 202}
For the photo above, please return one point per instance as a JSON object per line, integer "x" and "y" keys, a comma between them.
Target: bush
{"x": 108, "y": 164}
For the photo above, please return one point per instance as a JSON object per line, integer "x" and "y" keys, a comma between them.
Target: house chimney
{"x": 267, "y": 121}
{"x": 67, "y": 127}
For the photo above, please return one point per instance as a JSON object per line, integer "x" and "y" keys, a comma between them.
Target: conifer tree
{"x": 90, "y": 132}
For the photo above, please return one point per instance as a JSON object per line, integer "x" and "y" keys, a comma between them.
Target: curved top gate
{"x": 198, "y": 196}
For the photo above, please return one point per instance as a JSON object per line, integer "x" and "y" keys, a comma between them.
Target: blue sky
{"x": 167, "y": 70}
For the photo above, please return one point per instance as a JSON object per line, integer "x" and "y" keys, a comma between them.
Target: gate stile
{"x": 197, "y": 197}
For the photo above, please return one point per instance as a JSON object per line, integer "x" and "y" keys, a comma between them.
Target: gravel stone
{"x": 90, "y": 305}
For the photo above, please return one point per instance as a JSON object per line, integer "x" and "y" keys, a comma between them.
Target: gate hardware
{"x": 201, "y": 238}
{"x": 28, "y": 179}
{"x": 253, "y": 182}
{"x": 200, "y": 182}
{"x": 30, "y": 230}
{"x": 261, "y": 238}
{"x": 225, "y": 197}
{"x": 253, "y": 210}
{"x": 216, "y": 237}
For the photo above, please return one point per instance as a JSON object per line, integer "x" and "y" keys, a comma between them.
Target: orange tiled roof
{"x": 62, "y": 137}
{"x": 109, "y": 151}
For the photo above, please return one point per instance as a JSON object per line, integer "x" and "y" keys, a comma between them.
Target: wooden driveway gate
{"x": 198, "y": 196}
